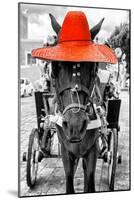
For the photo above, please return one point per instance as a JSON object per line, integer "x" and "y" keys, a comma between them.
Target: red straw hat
{"x": 75, "y": 43}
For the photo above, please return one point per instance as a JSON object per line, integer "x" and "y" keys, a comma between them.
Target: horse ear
{"x": 96, "y": 29}
{"x": 55, "y": 24}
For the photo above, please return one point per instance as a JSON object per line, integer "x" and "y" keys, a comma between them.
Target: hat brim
{"x": 76, "y": 51}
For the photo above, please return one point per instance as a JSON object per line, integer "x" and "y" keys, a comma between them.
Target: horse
{"x": 75, "y": 59}
{"x": 76, "y": 141}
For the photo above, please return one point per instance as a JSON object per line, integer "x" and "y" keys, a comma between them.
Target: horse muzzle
{"x": 73, "y": 131}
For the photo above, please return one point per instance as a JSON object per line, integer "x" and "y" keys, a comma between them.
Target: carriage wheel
{"x": 32, "y": 159}
{"x": 112, "y": 157}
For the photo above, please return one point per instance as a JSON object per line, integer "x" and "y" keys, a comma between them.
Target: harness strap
{"x": 72, "y": 85}
{"x": 58, "y": 119}
{"x": 80, "y": 87}
{"x": 73, "y": 106}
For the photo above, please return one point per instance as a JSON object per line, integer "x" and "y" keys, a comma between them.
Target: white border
{"x": 9, "y": 102}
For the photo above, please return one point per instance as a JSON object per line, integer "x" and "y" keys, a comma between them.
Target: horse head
{"x": 74, "y": 84}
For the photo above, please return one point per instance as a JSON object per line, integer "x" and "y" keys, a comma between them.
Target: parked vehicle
{"x": 26, "y": 87}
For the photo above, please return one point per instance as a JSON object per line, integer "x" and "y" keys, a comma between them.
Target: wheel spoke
{"x": 112, "y": 157}
{"x": 32, "y": 162}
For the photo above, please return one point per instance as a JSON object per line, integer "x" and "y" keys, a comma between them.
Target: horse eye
{"x": 83, "y": 126}
{"x": 65, "y": 124}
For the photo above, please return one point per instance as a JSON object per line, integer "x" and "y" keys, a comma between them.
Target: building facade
{"x": 26, "y": 45}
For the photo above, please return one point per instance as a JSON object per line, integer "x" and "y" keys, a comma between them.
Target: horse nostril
{"x": 83, "y": 127}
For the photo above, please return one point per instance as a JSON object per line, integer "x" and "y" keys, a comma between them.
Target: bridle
{"x": 75, "y": 89}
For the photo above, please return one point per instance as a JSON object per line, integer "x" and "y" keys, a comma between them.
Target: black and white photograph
{"x": 74, "y": 87}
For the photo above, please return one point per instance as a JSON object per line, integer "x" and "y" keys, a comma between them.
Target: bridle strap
{"x": 72, "y": 85}
{"x": 81, "y": 87}
{"x": 73, "y": 106}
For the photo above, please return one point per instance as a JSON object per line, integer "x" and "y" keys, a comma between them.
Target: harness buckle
{"x": 75, "y": 88}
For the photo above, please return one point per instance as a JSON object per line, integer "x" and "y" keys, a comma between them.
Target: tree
{"x": 121, "y": 38}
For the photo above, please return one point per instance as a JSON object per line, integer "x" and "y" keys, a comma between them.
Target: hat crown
{"x": 75, "y": 27}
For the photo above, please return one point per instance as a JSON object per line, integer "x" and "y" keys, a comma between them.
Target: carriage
{"x": 41, "y": 138}
{"x": 76, "y": 121}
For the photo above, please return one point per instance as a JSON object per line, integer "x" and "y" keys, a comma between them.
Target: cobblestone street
{"x": 51, "y": 177}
